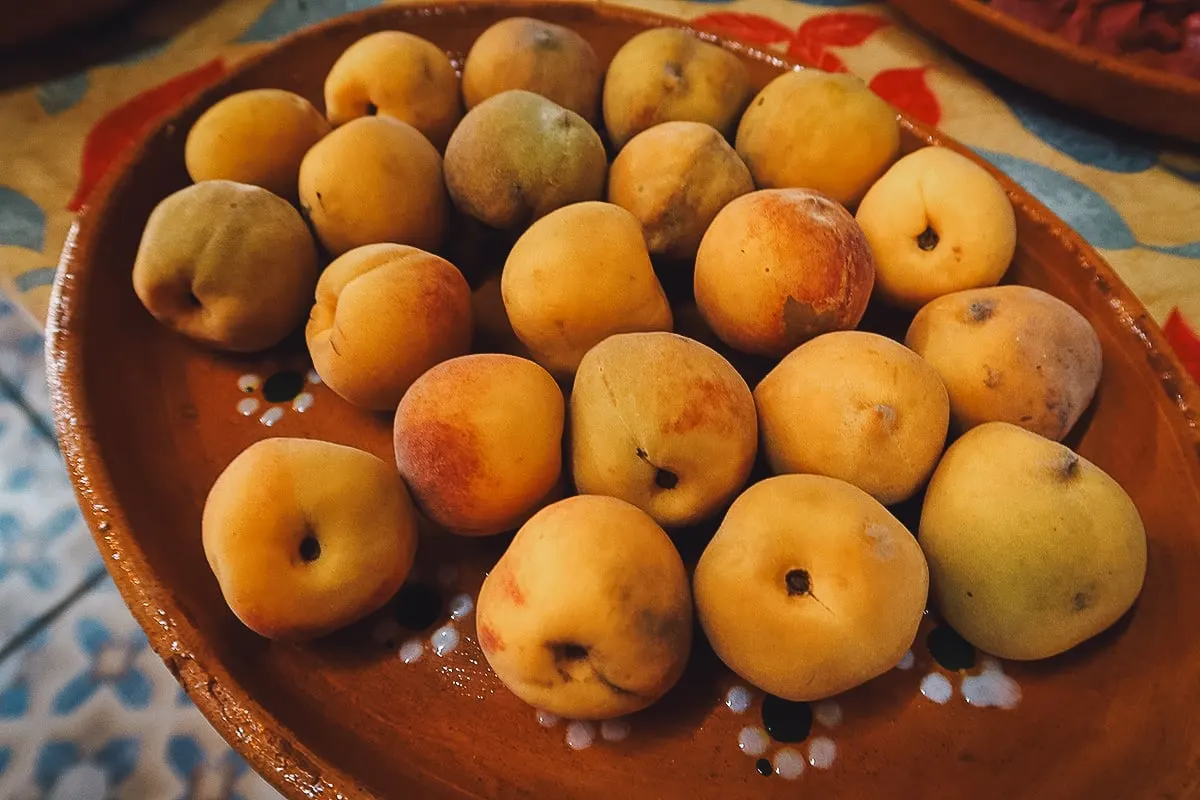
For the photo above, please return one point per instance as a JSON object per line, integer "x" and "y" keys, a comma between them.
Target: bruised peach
{"x": 674, "y": 178}
{"x": 780, "y": 266}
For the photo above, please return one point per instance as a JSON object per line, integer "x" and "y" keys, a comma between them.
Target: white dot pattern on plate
{"x": 313, "y": 377}
{"x": 991, "y": 687}
{"x": 614, "y": 730}
{"x": 738, "y": 699}
{"x": 460, "y": 606}
{"x": 546, "y": 719}
{"x": 249, "y": 382}
{"x": 302, "y": 402}
{"x": 937, "y": 688}
{"x": 828, "y": 713}
{"x": 753, "y": 741}
{"x": 789, "y": 764}
{"x": 271, "y": 416}
{"x": 411, "y": 651}
{"x": 247, "y": 406}
{"x": 444, "y": 640}
{"x": 907, "y": 661}
{"x": 580, "y": 734}
{"x": 821, "y": 752}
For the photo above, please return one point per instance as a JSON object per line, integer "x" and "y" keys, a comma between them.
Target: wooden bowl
{"x": 147, "y": 420}
{"x": 1110, "y": 87}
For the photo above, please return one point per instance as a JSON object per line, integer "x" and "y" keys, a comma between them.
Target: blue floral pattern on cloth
{"x": 204, "y": 777}
{"x": 1079, "y": 206}
{"x": 284, "y": 16}
{"x": 1088, "y": 141}
{"x": 112, "y": 667}
{"x": 87, "y": 710}
{"x": 22, "y": 221}
{"x": 58, "y": 95}
{"x": 65, "y": 770}
{"x": 24, "y": 550}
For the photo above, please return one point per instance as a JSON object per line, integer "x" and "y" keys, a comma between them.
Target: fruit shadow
{"x": 688, "y": 704}
{"x": 422, "y": 604}
{"x": 1079, "y": 657}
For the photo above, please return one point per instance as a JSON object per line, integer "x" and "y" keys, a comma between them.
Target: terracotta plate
{"x": 147, "y": 421}
{"x": 1111, "y": 87}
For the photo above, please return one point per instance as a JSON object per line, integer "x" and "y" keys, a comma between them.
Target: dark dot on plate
{"x": 310, "y": 549}
{"x": 786, "y": 720}
{"x": 950, "y": 650}
{"x": 665, "y": 479}
{"x": 282, "y": 386}
{"x": 372, "y": 109}
{"x": 763, "y": 766}
{"x": 418, "y": 606}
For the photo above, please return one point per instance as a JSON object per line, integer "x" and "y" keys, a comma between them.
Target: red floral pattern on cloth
{"x": 1184, "y": 341}
{"x": 813, "y": 43}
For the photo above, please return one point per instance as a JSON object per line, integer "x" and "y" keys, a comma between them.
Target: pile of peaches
{"x": 599, "y": 428}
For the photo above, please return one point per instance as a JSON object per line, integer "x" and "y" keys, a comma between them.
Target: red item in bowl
{"x": 1163, "y": 34}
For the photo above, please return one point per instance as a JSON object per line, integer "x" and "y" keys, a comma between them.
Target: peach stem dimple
{"x": 927, "y": 239}
{"x": 310, "y": 549}
{"x": 798, "y": 582}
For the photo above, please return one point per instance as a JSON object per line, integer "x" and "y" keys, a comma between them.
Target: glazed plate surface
{"x": 147, "y": 420}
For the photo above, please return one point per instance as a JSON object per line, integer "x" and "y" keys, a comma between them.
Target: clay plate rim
{"x": 263, "y": 740}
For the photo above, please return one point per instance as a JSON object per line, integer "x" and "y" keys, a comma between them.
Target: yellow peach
{"x": 588, "y": 613}
{"x": 373, "y": 180}
{"x": 821, "y": 131}
{"x": 305, "y": 537}
{"x": 667, "y": 74}
{"x": 257, "y": 137}
{"x": 539, "y": 57}
{"x": 577, "y": 276}
{"x": 399, "y": 75}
